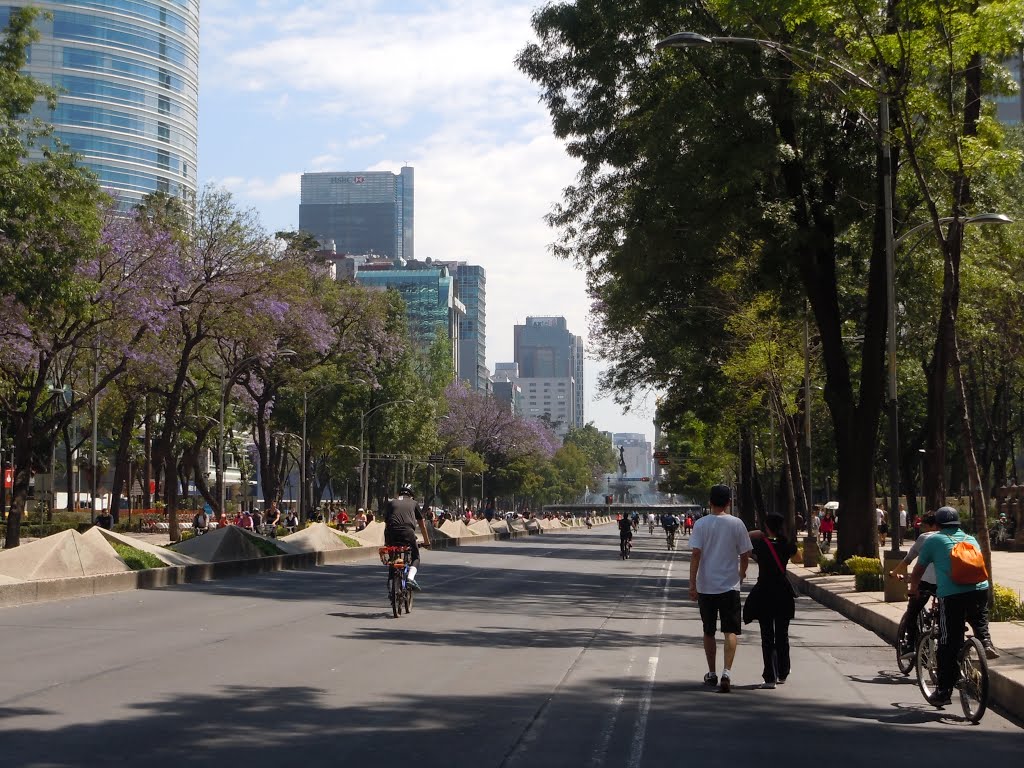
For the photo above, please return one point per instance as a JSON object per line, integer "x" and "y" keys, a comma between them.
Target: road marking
{"x": 636, "y": 751}
{"x": 605, "y": 737}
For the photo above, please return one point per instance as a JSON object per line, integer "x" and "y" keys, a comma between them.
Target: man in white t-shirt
{"x": 903, "y": 523}
{"x": 721, "y": 550}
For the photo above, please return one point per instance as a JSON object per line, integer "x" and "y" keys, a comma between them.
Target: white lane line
{"x": 604, "y": 739}
{"x": 636, "y": 751}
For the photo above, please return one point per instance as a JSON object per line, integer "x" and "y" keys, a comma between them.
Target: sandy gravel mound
{"x": 319, "y": 537}
{"x": 61, "y": 556}
{"x": 227, "y": 543}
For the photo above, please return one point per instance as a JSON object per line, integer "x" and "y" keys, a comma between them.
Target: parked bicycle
{"x": 972, "y": 672}
{"x": 399, "y": 593}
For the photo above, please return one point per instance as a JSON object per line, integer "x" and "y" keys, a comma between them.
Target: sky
{"x": 288, "y": 87}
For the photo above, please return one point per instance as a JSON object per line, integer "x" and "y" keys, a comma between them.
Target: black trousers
{"x": 915, "y": 605}
{"x": 403, "y": 537}
{"x": 954, "y": 611}
{"x": 775, "y": 648}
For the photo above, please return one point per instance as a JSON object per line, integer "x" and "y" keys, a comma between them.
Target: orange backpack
{"x": 967, "y": 564}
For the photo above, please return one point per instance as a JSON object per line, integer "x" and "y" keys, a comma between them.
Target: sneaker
{"x": 413, "y": 585}
{"x": 991, "y": 653}
{"x": 711, "y": 679}
{"x": 768, "y": 685}
{"x": 726, "y": 684}
{"x": 781, "y": 681}
{"x": 940, "y": 698}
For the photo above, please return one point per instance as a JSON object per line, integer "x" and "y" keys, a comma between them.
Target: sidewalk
{"x": 1006, "y": 674}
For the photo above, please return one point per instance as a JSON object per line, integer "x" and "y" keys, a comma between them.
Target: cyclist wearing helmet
{"x": 401, "y": 516}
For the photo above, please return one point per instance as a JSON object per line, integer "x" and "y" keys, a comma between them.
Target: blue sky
{"x": 288, "y": 87}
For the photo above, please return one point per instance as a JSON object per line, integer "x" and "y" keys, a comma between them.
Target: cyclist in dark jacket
{"x": 401, "y": 516}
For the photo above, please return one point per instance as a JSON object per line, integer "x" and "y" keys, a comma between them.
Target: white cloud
{"x": 434, "y": 86}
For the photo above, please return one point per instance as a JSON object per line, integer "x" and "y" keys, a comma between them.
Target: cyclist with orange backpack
{"x": 962, "y": 585}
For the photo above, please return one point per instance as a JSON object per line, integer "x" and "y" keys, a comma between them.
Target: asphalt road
{"x": 545, "y": 651}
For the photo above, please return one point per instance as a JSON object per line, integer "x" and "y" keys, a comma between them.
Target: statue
{"x": 622, "y": 460}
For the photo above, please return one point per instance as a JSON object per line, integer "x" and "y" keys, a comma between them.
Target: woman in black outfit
{"x": 771, "y": 599}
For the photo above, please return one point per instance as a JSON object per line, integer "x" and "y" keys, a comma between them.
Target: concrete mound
{"x": 371, "y": 536}
{"x": 481, "y": 527}
{"x": 500, "y": 526}
{"x": 456, "y": 529}
{"x": 168, "y": 556}
{"x": 227, "y": 543}
{"x": 319, "y": 537}
{"x": 63, "y": 555}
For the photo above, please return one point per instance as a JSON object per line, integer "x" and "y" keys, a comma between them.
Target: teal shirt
{"x": 936, "y": 552}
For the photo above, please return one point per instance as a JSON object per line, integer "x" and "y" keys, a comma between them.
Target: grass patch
{"x": 266, "y": 548}
{"x": 349, "y": 541}
{"x": 136, "y": 559}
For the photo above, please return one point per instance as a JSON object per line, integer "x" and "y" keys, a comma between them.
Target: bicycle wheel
{"x": 408, "y": 600}
{"x": 927, "y": 669}
{"x": 905, "y": 652}
{"x": 973, "y": 682}
{"x": 393, "y": 594}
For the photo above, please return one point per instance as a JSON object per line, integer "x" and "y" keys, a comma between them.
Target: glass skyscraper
{"x": 366, "y": 212}
{"x": 472, "y": 290}
{"x": 127, "y": 75}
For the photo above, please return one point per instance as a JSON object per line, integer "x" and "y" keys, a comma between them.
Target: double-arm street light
{"x": 363, "y": 463}
{"x": 695, "y": 40}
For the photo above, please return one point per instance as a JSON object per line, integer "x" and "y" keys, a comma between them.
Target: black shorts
{"x": 883, "y": 528}
{"x": 726, "y": 606}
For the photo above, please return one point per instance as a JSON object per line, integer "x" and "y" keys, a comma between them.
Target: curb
{"x": 28, "y": 592}
{"x": 1006, "y": 686}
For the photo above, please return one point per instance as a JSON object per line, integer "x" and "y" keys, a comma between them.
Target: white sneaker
{"x": 768, "y": 686}
{"x": 725, "y": 683}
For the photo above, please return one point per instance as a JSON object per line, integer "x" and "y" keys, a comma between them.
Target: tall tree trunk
{"x": 124, "y": 442}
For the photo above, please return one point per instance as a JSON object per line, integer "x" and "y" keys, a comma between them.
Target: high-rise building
{"x": 431, "y": 303}
{"x": 471, "y": 286}
{"x": 365, "y": 212}
{"x": 505, "y": 386}
{"x": 546, "y": 351}
{"x": 1010, "y": 108}
{"x": 127, "y": 73}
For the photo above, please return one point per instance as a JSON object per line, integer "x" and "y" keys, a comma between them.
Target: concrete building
{"x": 551, "y": 397}
{"x": 546, "y": 351}
{"x": 365, "y": 212}
{"x": 127, "y": 73}
{"x": 636, "y": 452}
{"x": 505, "y": 386}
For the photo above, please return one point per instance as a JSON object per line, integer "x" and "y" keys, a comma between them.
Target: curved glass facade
{"x": 127, "y": 75}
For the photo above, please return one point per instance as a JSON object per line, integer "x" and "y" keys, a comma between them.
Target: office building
{"x": 430, "y": 300}
{"x": 551, "y": 398}
{"x": 505, "y": 386}
{"x": 1010, "y": 108}
{"x": 471, "y": 288}
{"x": 546, "y": 350}
{"x": 127, "y": 73}
{"x": 365, "y": 212}
{"x": 636, "y": 452}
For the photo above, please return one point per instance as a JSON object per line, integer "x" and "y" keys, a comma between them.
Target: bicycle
{"x": 651, "y": 527}
{"x": 625, "y": 545}
{"x": 972, "y": 672}
{"x": 906, "y": 652}
{"x": 670, "y": 538}
{"x": 399, "y": 592}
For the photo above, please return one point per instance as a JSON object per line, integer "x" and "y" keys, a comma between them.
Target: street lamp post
{"x": 364, "y": 470}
